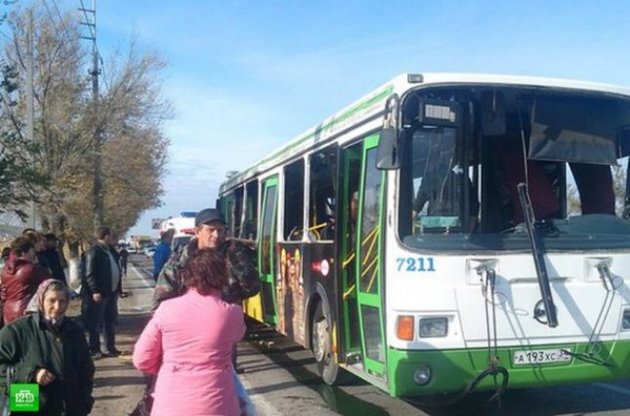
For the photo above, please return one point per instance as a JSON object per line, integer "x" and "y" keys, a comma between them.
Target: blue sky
{"x": 245, "y": 77}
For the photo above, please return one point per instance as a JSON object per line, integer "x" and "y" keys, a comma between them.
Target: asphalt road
{"x": 282, "y": 379}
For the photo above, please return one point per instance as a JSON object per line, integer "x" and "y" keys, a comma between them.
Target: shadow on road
{"x": 579, "y": 399}
{"x": 277, "y": 348}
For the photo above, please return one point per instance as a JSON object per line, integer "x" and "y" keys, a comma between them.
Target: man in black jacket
{"x": 100, "y": 290}
{"x": 53, "y": 258}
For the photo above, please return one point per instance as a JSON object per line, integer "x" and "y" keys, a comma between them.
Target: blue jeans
{"x": 100, "y": 317}
{"x": 247, "y": 407}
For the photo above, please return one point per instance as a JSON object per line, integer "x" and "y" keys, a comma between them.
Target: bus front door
{"x": 350, "y": 329}
{"x": 266, "y": 250}
{"x": 367, "y": 264}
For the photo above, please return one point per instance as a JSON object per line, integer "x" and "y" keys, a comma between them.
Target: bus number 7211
{"x": 415, "y": 264}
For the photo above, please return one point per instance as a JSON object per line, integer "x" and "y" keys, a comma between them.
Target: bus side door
{"x": 348, "y": 214}
{"x": 368, "y": 267}
{"x": 267, "y": 248}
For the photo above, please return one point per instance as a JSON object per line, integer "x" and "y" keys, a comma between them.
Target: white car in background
{"x": 149, "y": 250}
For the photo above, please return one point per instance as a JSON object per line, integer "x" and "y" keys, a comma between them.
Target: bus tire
{"x": 321, "y": 345}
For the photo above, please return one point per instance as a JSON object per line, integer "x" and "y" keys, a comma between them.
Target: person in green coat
{"x": 47, "y": 348}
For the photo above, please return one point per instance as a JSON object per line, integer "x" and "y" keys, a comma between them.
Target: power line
{"x": 63, "y": 23}
{"x": 90, "y": 25}
{"x": 50, "y": 13}
{"x": 92, "y": 28}
{"x": 57, "y": 10}
{"x": 97, "y": 192}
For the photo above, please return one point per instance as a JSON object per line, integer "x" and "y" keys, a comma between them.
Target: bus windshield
{"x": 459, "y": 179}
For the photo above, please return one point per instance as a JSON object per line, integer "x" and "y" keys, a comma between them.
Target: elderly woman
{"x": 49, "y": 349}
{"x": 21, "y": 276}
{"x": 188, "y": 343}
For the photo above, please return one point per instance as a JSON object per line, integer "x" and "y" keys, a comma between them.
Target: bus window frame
{"x": 297, "y": 180}
{"x": 318, "y": 227}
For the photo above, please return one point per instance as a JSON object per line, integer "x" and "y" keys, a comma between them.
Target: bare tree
{"x": 130, "y": 116}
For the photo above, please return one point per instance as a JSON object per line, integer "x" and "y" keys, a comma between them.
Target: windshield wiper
{"x": 541, "y": 269}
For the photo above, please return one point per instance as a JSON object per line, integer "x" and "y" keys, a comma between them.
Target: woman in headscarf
{"x": 47, "y": 348}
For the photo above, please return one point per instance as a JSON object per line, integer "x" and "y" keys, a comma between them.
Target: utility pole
{"x": 97, "y": 192}
{"x": 30, "y": 107}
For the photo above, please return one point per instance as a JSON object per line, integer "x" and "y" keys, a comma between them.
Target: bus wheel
{"x": 321, "y": 342}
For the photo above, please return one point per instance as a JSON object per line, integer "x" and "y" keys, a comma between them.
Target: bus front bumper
{"x": 422, "y": 373}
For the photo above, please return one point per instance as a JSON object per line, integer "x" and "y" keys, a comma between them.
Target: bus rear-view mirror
{"x": 387, "y": 157}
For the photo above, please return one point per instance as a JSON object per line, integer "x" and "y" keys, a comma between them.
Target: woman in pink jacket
{"x": 188, "y": 344}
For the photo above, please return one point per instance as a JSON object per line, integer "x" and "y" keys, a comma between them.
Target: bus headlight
{"x": 422, "y": 375}
{"x": 625, "y": 320}
{"x": 433, "y": 327}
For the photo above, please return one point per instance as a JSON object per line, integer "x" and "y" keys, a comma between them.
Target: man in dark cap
{"x": 243, "y": 279}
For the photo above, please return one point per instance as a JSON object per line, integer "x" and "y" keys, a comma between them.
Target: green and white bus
{"x": 450, "y": 232}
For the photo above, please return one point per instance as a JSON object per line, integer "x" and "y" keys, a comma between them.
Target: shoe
{"x": 96, "y": 355}
{"x": 113, "y": 353}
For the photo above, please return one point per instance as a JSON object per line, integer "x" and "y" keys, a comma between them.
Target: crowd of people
{"x": 38, "y": 344}
{"x": 191, "y": 360}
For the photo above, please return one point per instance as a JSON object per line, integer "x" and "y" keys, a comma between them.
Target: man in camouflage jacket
{"x": 243, "y": 278}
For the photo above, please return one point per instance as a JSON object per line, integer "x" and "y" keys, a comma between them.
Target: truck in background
{"x": 184, "y": 226}
{"x": 137, "y": 243}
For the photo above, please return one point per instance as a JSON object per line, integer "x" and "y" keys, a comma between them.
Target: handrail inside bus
{"x": 347, "y": 293}
{"x": 369, "y": 267}
{"x": 372, "y": 279}
{"x": 314, "y": 229}
{"x": 351, "y": 256}
{"x": 347, "y": 261}
{"x": 372, "y": 235}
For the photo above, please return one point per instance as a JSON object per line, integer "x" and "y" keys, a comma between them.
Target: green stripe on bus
{"x": 380, "y": 96}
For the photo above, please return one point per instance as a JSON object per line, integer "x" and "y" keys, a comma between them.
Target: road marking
{"x": 142, "y": 301}
{"x": 616, "y": 389}
{"x": 149, "y": 284}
